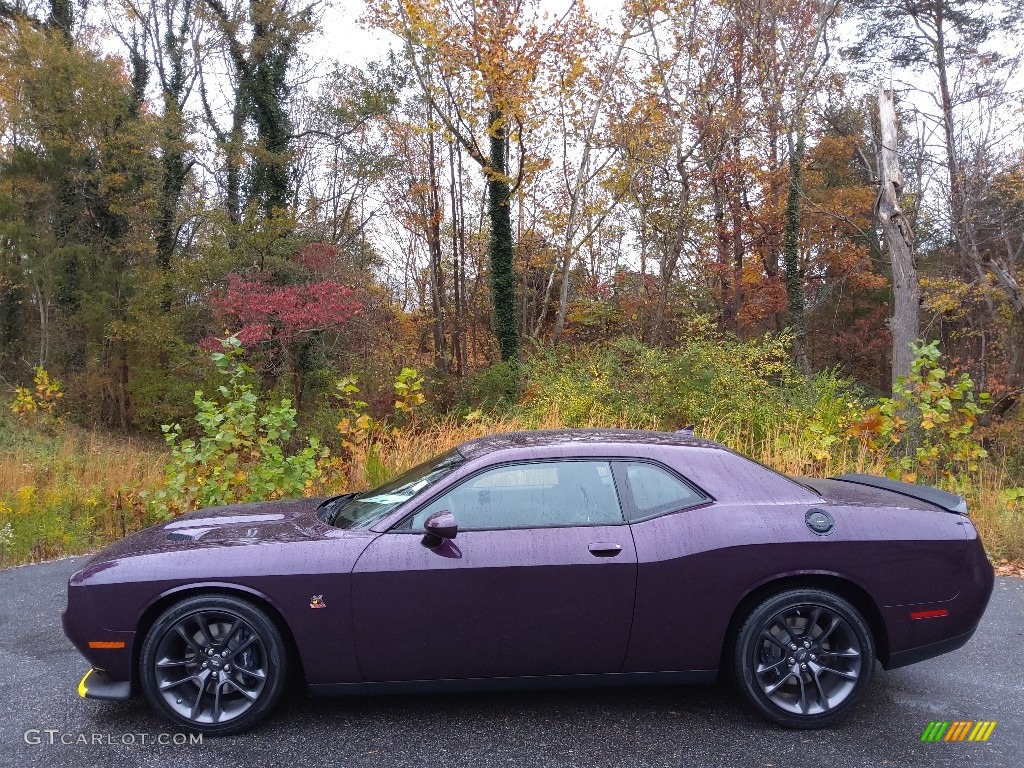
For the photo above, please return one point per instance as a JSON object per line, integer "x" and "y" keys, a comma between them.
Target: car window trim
{"x": 512, "y": 463}
{"x": 619, "y": 470}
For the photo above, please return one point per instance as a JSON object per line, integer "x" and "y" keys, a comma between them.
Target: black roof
{"x": 481, "y": 446}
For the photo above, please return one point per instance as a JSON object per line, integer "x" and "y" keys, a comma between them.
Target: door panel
{"x": 495, "y": 603}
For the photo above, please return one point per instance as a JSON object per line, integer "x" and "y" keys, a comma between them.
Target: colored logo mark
{"x": 959, "y": 730}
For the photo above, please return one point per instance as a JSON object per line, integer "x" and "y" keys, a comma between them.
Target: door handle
{"x": 600, "y": 549}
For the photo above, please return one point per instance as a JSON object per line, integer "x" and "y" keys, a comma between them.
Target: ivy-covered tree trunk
{"x": 266, "y": 91}
{"x": 175, "y": 165}
{"x": 500, "y": 247}
{"x": 233, "y": 161}
{"x": 262, "y": 69}
{"x": 62, "y": 17}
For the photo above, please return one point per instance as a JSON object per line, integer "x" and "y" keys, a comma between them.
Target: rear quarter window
{"x": 653, "y": 490}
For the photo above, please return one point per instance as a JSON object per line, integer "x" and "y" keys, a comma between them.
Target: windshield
{"x": 363, "y": 510}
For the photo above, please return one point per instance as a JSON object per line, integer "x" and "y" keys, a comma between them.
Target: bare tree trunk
{"x": 905, "y": 322}
{"x": 458, "y": 278}
{"x": 727, "y": 321}
{"x": 434, "y": 214}
{"x": 44, "y": 324}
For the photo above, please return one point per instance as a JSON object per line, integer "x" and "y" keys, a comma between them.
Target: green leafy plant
{"x": 408, "y": 392}
{"x": 1013, "y": 497}
{"x": 38, "y": 404}
{"x": 926, "y": 427}
{"x": 241, "y": 454}
{"x": 356, "y": 425}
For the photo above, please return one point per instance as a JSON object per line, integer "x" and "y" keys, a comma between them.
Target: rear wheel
{"x": 804, "y": 658}
{"x": 213, "y": 664}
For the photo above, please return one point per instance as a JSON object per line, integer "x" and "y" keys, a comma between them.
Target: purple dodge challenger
{"x": 550, "y": 558}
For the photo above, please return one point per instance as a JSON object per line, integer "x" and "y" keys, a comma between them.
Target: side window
{"x": 530, "y": 495}
{"x": 655, "y": 491}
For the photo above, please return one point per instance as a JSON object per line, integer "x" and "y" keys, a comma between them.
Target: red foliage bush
{"x": 257, "y": 311}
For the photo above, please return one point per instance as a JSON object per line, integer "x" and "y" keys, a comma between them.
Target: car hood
{"x": 236, "y": 524}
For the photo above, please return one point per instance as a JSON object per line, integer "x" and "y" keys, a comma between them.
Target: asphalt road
{"x": 696, "y": 726}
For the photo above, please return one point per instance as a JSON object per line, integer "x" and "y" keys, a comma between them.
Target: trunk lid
{"x": 874, "y": 490}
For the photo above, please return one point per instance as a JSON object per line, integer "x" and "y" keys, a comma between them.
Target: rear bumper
{"x": 913, "y": 637}
{"x": 96, "y": 685}
{"x": 914, "y": 655}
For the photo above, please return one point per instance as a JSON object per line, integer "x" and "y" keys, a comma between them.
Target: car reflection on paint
{"x": 548, "y": 558}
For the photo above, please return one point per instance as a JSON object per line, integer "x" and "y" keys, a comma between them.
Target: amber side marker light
{"x": 107, "y": 644}
{"x": 937, "y": 614}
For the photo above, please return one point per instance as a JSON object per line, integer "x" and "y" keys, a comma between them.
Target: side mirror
{"x": 439, "y": 526}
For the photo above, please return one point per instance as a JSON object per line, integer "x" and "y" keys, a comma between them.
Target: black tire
{"x": 804, "y": 658}
{"x": 213, "y": 664}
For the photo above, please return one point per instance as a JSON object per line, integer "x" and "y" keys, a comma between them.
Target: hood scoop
{"x": 188, "y": 534}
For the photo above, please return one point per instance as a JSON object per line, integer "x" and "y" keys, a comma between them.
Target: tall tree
{"x": 905, "y": 323}
{"x": 583, "y": 92}
{"x": 77, "y": 178}
{"x": 164, "y": 37}
{"x": 262, "y": 39}
{"x": 970, "y": 49}
{"x": 478, "y": 62}
{"x": 788, "y": 41}
{"x": 683, "y": 60}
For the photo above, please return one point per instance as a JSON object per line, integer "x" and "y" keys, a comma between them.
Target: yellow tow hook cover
{"x": 82, "y": 690}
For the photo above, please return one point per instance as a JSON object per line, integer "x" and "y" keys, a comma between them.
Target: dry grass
{"x": 396, "y": 451}
{"x": 83, "y": 459}
{"x": 1000, "y": 523}
{"x": 65, "y": 494}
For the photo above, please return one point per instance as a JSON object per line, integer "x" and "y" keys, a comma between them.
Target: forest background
{"x": 253, "y": 248}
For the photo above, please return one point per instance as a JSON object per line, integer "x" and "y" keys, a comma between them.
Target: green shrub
{"x": 721, "y": 384}
{"x": 495, "y": 388}
{"x": 241, "y": 452}
{"x": 927, "y": 424}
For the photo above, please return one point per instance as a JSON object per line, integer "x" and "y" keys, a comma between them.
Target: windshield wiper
{"x": 330, "y": 509}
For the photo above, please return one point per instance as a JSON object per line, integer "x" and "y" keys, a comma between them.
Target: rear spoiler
{"x": 942, "y": 499}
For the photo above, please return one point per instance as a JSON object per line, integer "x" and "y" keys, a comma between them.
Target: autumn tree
{"x": 968, "y": 49}
{"x": 585, "y": 86}
{"x": 77, "y": 183}
{"x": 788, "y": 51}
{"x": 477, "y": 65}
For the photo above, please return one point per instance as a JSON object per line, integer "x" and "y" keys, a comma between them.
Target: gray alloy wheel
{"x": 804, "y": 658}
{"x": 213, "y": 664}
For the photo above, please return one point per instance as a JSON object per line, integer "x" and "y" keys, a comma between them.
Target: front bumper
{"x": 96, "y": 685}
{"x": 106, "y": 651}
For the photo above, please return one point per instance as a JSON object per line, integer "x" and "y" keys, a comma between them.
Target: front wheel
{"x": 804, "y": 658}
{"x": 213, "y": 664}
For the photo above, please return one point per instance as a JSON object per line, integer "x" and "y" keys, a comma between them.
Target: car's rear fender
{"x": 854, "y": 593}
{"x": 923, "y": 630}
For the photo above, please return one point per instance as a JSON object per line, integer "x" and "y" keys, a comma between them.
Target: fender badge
{"x": 317, "y": 601}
